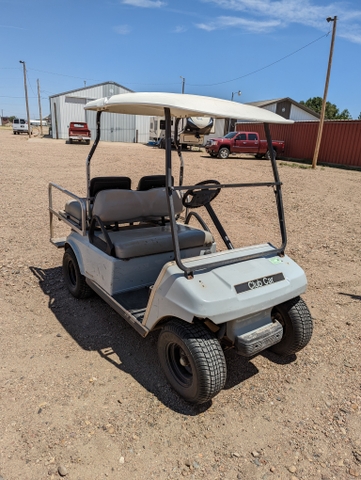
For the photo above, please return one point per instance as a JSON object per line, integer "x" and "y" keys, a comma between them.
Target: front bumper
{"x": 212, "y": 148}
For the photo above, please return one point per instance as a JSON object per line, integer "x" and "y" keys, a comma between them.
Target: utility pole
{"x": 40, "y": 115}
{"x": 183, "y": 83}
{"x": 323, "y": 108}
{"x": 239, "y": 93}
{"x": 26, "y": 98}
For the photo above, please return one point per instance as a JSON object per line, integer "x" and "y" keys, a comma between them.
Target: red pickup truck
{"x": 79, "y": 132}
{"x": 242, "y": 142}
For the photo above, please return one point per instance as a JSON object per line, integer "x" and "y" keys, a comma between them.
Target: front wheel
{"x": 223, "y": 153}
{"x": 296, "y": 321}
{"x": 74, "y": 280}
{"x": 193, "y": 360}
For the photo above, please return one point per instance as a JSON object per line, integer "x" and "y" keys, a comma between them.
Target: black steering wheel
{"x": 200, "y": 197}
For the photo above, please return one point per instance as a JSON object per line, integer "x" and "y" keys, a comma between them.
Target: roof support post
{"x": 89, "y": 157}
{"x": 170, "y": 190}
{"x": 277, "y": 188}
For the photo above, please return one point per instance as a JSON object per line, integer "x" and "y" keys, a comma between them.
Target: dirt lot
{"x": 82, "y": 394}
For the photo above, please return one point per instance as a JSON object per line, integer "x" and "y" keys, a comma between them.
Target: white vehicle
{"x": 20, "y": 126}
{"x": 137, "y": 250}
{"x": 37, "y": 123}
{"x": 191, "y": 132}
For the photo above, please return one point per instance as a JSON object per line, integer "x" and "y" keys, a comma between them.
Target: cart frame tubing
{"x": 276, "y": 184}
{"x": 189, "y": 272}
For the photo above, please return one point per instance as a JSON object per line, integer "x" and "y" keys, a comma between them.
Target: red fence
{"x": 340, "y": 145}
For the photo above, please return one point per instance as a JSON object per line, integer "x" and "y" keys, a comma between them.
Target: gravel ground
{"x": 82, "y": 394}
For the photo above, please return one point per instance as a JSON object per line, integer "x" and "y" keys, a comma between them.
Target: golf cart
{"x": 137, "y": 249}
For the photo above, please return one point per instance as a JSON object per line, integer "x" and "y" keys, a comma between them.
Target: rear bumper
{"x": 79, "y": 138}
{"x": 255, "y": 341}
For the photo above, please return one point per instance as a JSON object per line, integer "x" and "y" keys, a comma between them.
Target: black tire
{"x": 87, "y": 142}
{"x": 223, "y": 153}
{"x": 193, "y": 360}
{"x": 297, "y": 324}
{"x": 74, "y": 280}
{"x": 268, "y": 154}
{"x": 70, "y": 140}
{"x": 258, "y": 156}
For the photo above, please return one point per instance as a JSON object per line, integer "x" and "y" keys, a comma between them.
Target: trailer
{"x": 191, "y": 131}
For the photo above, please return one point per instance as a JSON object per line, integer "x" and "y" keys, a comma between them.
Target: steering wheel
{"x": 200, "y": 197}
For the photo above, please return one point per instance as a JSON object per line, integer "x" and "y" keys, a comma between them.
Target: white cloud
{"x": 11, "y": 26}
{"x": 180, "y": 29}
{"x": 286, "y": 12}
{"x": 144, "y": 3}
{"x": 122, "y": 29}
{"x": 352, "y": 34}
{"x": 254, "y": 26}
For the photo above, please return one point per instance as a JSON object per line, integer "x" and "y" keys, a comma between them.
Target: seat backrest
{"x": 106, "y": 183}
{"x": 152, "y": 181}
{"x": 125, "y": 206}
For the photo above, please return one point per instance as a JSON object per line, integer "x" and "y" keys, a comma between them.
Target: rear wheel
{"x": 193, "y": 360}
{"x": 223, "y": 153}
{"x": 74, "y": 280}
{"x": 296, "y": 321}
{"x": 268, "y": 154}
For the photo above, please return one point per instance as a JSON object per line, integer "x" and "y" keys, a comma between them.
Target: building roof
{"x": 265, "y": 103}
{"x": 91, "y": 86}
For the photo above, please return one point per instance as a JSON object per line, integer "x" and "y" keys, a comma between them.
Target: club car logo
{"x": 259, "y": 282}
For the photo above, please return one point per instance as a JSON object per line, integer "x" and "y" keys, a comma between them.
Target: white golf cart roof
{"x": 182, "y": 106}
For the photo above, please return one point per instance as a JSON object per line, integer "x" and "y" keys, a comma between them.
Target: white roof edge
{"x": 182, "y": 106}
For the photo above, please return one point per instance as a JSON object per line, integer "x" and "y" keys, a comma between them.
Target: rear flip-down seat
{"x": 72, "y": 209}
{"x": 129, "y": 206}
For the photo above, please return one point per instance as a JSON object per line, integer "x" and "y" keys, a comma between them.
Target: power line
{"x": 262, "y": 68}
{"x": 168, "y": 84}
{"x": 60, "y": 74}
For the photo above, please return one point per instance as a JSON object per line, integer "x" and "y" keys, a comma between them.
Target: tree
{"x": 331, "y": 112}
{"x": 359, "y": 117}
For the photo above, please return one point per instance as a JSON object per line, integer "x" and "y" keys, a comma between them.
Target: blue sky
{"x": 265, "y": 48}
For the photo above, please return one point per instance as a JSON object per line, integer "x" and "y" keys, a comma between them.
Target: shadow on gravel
{"x": 239, "y": 369}
{"x": 272, "y": 357}
{"x": 96, "y": 327}
{"x": 354, "y": 297}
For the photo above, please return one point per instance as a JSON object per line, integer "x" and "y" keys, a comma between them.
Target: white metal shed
{"x": 68, "y": 107}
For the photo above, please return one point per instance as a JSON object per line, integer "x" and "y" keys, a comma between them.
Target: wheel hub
{"x": 183, "y": 360}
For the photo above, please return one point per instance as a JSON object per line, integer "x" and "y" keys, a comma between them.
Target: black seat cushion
{"x": 109, "y": 183}
{"x": 152, "y": 181}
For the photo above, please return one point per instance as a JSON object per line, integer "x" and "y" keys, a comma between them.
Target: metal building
{"x": 69, "y": 107}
